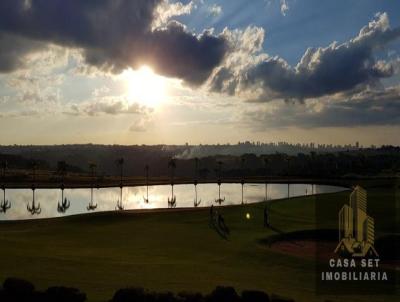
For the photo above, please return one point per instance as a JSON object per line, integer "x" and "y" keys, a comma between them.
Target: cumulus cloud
{"x": 33, "y": 89}
{"x": 142, "y": 123}
{"x": 245, "y": 46}
{"x": 395, "y": 63}
{"x": 29, "y": 86}
{"x": 113, "y": 35}
{"x": 166, "y": 10}
{"x": 20, "y": 113}
{"x": 321, "y": 71}
{"x": 215, "y": 10}
{"x": 284, "y": 7}
{"x": 106, "y": 105}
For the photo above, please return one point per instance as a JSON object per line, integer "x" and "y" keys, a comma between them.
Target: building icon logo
{"x": 356, "y": 228}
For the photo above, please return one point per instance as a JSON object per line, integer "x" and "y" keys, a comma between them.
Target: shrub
{"x": 64, "y": 294}
{"x": 254, "y": 296}
{"x": 223, "y": 294}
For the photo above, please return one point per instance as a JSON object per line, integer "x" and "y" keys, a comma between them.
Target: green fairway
{"x": 167, "y": 250}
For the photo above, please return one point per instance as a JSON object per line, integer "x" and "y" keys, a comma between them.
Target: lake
{"x": 134, "y": 197}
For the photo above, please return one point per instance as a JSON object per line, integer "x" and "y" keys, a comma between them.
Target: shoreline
{"x": 133, "y": 212}
{"x": 82, "y": 183}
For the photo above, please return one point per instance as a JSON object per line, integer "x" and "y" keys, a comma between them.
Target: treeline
{"x": 366, "y": 162}
{"x": 18, "y": 290}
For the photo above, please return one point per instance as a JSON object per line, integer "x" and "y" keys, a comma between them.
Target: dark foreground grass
{"x": 166, "y": 251}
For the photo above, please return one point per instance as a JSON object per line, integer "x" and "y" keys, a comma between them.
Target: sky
{"x": 202, "y": 72}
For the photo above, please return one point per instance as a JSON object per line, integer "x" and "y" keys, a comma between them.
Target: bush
{"x": 18, "y": 286}
{"x": 191, "y": 297}
{"x": 223, "y": 294}
{"x": 280, "y": 299}
{"x": 130, "y": 294}
{"x": 64, "y": 294}
{"x": 254, "y": 296}
{"x": 18, "y": 290}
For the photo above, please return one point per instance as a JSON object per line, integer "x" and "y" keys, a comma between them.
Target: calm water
{"x": 133, "y": 197}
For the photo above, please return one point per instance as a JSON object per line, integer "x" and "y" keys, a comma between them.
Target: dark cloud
{"x": 369, "y": 107}
{"x": 113, "y": 34}
{"x": 321, "y": 71}
{"x": 13, "y": 49}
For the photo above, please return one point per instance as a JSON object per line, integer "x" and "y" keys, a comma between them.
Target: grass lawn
{"x": 167, "y": 250}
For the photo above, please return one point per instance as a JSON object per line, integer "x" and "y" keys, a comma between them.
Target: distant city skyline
{"x": 311, "y": 145}
{"x": 186, "y": 151}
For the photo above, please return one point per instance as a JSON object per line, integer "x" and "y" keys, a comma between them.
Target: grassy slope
{"x": 173, "y": 251}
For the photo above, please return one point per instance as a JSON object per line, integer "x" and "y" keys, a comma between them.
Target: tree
{"x": 5, "y": 204}
{"x": 146, "y": 169}
{"x": 287, "y": 159}
{"x": 4, "y": 166}
{"x": 266, "y": 177}
{"x": 219, "y": 172}
{"x": 33, "y": 165}
{"x": 64, "y": 205}
{"x": 196, "y": 202}
{"x": 33, "y": 209}
{"x": 172, "y": 166}
{"x": 120, "y": 164}
{"x": 62, "y": 169}
{"x": 91, "y": 206}
{"x": 242, "y": 162}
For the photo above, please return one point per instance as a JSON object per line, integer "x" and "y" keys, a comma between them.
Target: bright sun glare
{"x": 144, "y": 86}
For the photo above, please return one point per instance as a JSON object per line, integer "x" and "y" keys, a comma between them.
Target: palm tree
{"x": 120, "y": 164}
{"x": 62, "y": 169}
{"x": 219, "y": 171}
{"x": 196, "y": 168}
{"x": 242, "y": 161}
{"x": 4, "y": 166}
{"x": 65, "y": 204}
{"x": 313, "y": 157}
{"x": 287, "y": 159}
{"x": 5, "y": 204}
{"x": 266, "y": 178}
{"x": 119, "y": 206}
{"x": 172, "y": 166}
{"x": 33, "y": 209}
{"x": 34, "y": 167}
{"x": 146, "y": 169}
{"x": 91, "y": 206}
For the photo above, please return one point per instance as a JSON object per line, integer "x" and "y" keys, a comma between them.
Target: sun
{"x": 144, "y": 86}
